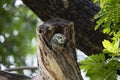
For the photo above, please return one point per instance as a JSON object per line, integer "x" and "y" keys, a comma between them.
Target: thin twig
{"x": 21, "y": 68}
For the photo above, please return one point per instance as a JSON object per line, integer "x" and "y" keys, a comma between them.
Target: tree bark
{"x": 81, "y": 12}
{"x": 58, "y": 62}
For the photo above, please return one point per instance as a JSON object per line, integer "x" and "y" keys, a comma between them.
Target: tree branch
{"x": 21, "y": 68}
{"x": 81, "y": 12}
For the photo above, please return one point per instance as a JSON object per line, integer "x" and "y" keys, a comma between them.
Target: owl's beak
{"x": 62, "y": 41}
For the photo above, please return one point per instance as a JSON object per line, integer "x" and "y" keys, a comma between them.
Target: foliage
{"x": 112, "y": 48}
{"x": 102, "y": 67}
{"x": 17, "y": 33}
{"x": 109, "y": 15}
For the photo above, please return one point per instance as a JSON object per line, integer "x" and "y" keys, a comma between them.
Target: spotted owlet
{"x": 58, "y": 39}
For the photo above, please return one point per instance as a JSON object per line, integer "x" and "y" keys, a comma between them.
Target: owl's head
{"x": 59, "y": 38}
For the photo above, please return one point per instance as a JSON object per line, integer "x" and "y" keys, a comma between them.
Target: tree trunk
{"x": 57, "y": 62}
{"x": 81, "y": 12}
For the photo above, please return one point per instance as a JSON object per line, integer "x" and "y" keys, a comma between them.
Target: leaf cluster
{"x": 102, "y": 67}
{"x": 98, "y": 68}
{"x": 109, "y": 16}
{"x": 113, "y": 48}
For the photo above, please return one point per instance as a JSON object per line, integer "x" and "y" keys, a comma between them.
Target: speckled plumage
{"x": 58, "y": 39}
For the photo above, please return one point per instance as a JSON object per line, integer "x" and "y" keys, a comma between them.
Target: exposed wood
{"x": 59, "y": 62}
{"x": 81, "y": 12}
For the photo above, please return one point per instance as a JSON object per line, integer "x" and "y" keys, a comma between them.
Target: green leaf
{"x": 93, "y": 61}
{"x": 99, "y": 22}
{"x": 117, "y": 43}
{"x": 109, "y": 46}
{"x": 106, "y": 30}
{"x": 107, "y": 25}
{"x": 98, "y": 68}
{"x": 95, "y": 1}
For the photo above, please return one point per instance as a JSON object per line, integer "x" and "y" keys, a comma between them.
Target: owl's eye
{"x": 59, "y": 37}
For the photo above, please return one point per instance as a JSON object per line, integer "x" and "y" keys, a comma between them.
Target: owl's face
{"x": 60, "y": 38}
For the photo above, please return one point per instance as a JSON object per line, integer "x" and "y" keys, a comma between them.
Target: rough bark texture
{"x": 58, "y": 62}
{"x": 81, "y": 12}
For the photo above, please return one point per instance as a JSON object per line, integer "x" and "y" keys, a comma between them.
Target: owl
{"x": 58, "y": 39}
